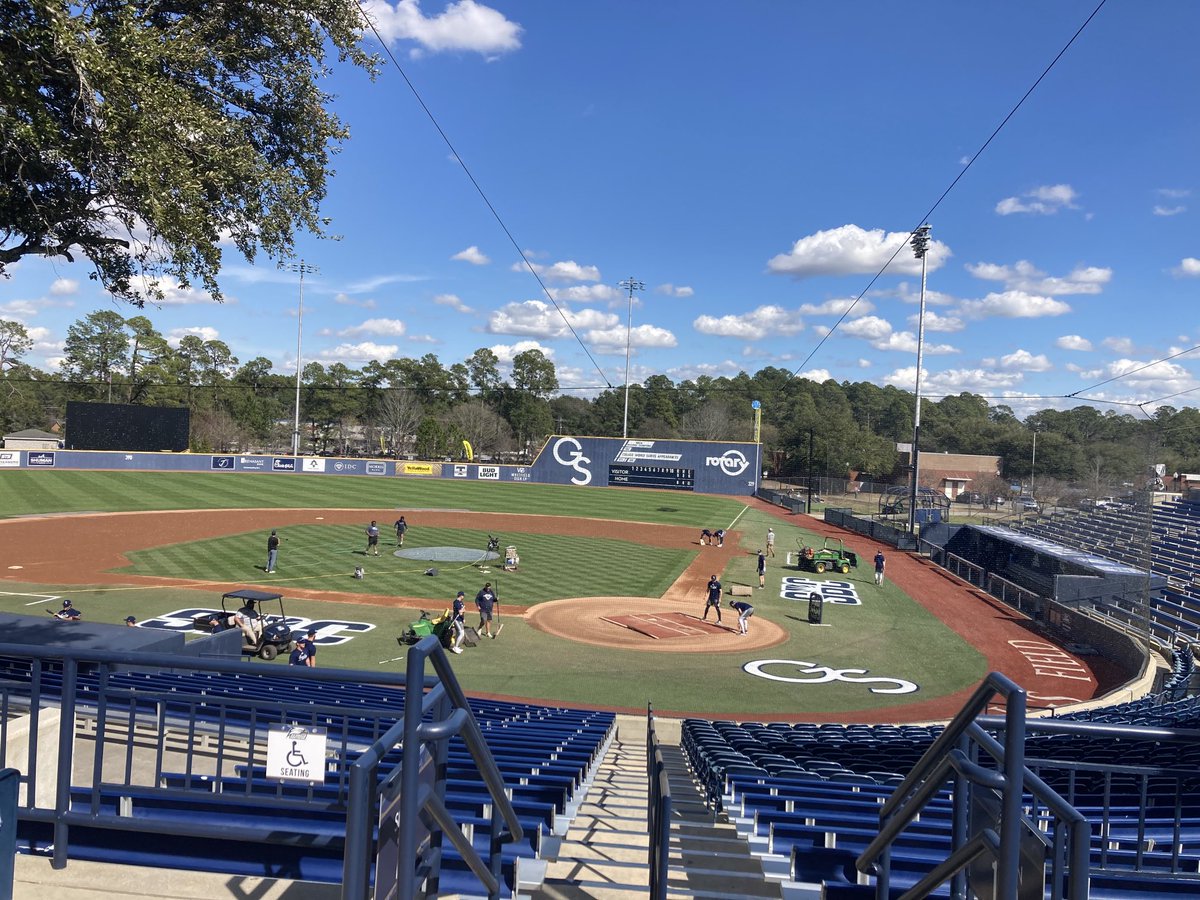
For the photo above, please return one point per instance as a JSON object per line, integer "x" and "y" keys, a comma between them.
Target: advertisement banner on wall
{"x": 40, "y": 458}
{"x": 10, "y": 459}
{"x": 279, "y": 464}
{"x": 376, "y": 468}
{"x": 415, "y": 468}
{"x": 346, "y": 466}
{"x": 223, "y": 463}
{"x": 252, "y": 463}
{"x": 488, "y": 473}
{"x": 313, "y": 464}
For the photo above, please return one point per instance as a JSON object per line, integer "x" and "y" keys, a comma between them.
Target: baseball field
{"x": 601, "y": 570}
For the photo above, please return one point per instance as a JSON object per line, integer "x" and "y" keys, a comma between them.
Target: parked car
{"x": 971, "y": 497}
{"x": 1029, "y": 504}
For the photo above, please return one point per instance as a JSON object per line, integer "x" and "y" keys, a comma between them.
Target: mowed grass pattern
{"x": 24, "y": 492}
{"x": 323, "y": 557}
{"x": 888, "y": 634}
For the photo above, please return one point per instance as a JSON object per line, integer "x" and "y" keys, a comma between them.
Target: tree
{"x": 399, "y": 414}
{"x": 96, "y": 347}
{"x": 190, "y": 123}
{"x": 15, "y": 342}
{"x": 533, "y": 373}
{"x": 486, "y": 431}
{"x": 484, "y": 372}
{"x": 150, "y": 345}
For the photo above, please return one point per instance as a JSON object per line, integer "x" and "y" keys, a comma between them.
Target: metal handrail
{"x": 446, "y": 705}
{"x": 659, "y": 811}
{"x": 946, "y": 756}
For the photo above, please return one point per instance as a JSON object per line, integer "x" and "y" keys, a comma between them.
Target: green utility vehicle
{"x": 832, "y": 556}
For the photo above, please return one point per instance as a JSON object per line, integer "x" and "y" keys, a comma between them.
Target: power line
{"x": 925, "y": 218}
{"x": 479, "y": 189}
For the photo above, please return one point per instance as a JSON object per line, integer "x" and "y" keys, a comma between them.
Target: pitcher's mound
{"x": 666, "y": 625}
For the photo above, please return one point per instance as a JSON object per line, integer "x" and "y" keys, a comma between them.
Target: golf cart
{"x": 831, "y": 556}
{"x": 272, "y": 635}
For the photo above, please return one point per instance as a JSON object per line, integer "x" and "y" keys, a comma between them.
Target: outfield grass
{"x": 323, "y": 557}
{"x": 889, "y": 634}
{"x": 24, "y": 493}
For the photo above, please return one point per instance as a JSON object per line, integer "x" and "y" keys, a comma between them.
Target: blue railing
{"x": 658, "y": 814}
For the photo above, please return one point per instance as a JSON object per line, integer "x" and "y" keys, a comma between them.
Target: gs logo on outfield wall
{"x": 569, "y": 452}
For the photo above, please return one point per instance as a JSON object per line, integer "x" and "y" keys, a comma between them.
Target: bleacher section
{"x": 813, "y": 794}
{"x": 1121, "y": 533}
{"x": 208, "y": 731}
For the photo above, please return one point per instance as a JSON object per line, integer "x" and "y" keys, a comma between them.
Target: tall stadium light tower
{"x": 920, "y": 245}
{"x": 301, "y": 268}
{"x": 630, "y": 284}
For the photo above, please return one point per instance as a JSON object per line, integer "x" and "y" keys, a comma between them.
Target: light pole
{"x": 301, "y": 268}
{"x": 920, "y": 245}
{"x": 1033, "y": 466}
{"x": 631, "y": 284}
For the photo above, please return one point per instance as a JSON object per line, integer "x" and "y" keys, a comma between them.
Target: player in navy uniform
{"x": 68, "y": 613}
{"x": 744, "y": 611}
{"x": 458, "y": 614}
{"x": 880, "y": 564}
{"x": 485, "y": 600}
{"x": 713, "y": 600}
{"x": 719, "y": 535}
{"x": 372, "y": 539}
{"x": 705, "y": 537}
{"x": 762, "y": 570}
{"x": 401, "y": 527}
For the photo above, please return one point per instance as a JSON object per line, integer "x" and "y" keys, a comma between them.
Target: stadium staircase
{"x": 603, "y": 855}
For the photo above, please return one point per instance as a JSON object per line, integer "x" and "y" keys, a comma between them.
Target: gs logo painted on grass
{"x": 814, "y": 673}
{"x": 795, "y": 587}
{"x": 330, "y": 632}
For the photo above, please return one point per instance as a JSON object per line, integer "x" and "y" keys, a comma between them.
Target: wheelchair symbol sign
{"x": 296, "y": 753}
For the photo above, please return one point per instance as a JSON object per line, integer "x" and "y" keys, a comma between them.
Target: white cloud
{"x": 1118, "y": 344}
{"x": 347, "y": 300}
{"x": 758, "y": 323}
{"x": 204, "y": 332}
{"x": 850, "y": 250}
{"x": 912, "y": 294}
{"x": 1160, "y": 210}
{"x": 361, "y": 352}
{"x": 612, "y": 340}
{"x": 1025, "y": 276}
{"x": 1189, "y": 267}
{"x": 954, "y": 381}
{"x": 1043, "y": 201}
{"x": 935, "y": 322}
{"x": 472, "y": 255}
{"x": 1023, "y": 360}
{"x": 1013, "y": 305}
{"x": 1174, "y": 193}
{"x": 506, "y": 352}
{"x": 370, "y": 285}
{"x": 675, "y": 290}
{"x": 1161, "y": 377}
{"x": 566, "y": 270}
{"x": 713, "y": 370}
{"x": 37, "y": 334}
{"x": 1073, "y": 342}
{"x": 882, "y": 336}
{"x": 19, "y": 308}
{"x": 539, "y": 319}
{"x": 463, "y": 25}
{"x": 837, "y": 307}
{"x": 173, "y": 293}
{"x": 423, "y": 339}
{"x": 452, "y": 301}
{"x": 864, "y": 363}
{"x": 590, "y": 293}
{"x": 63, "y": 287}
{"x": 384, "y": 327}
{"x": 817, "y": 375}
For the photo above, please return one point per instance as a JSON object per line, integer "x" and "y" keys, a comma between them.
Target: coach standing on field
{"x": 272, "y": 551}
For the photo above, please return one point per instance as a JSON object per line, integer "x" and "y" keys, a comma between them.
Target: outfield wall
{"x": 710, "y": 467}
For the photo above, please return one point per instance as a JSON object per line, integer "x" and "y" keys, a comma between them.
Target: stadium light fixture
{"x": 301, "y": 268}
{"x": 631, "y": 284}
{"x": 920, "y": 245}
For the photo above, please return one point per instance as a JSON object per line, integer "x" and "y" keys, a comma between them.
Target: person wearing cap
{"x": 713, "y": 599}
{"x": 68, "y": 613}
{"x": 486, "y": 600}
{"x": 131, "y": 621}
{"x": 272, "y": 551}
{"x": 457, "y": 616}
{"x": 310, "y": 648}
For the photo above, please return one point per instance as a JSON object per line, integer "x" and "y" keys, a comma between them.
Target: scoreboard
{"x": 669, "y": 477}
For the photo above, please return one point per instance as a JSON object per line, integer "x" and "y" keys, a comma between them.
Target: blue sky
{"x": 753, "y": 164}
